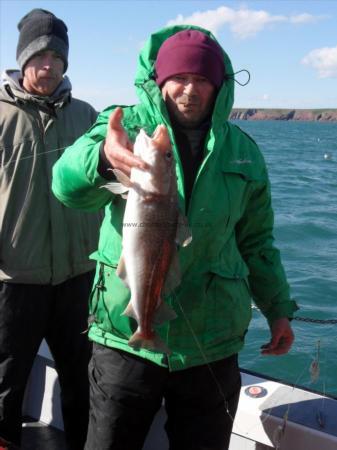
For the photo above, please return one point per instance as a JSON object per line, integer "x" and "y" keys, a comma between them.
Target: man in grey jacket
{"x": 45, "y": 272}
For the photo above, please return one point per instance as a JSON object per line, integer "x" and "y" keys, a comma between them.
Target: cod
{"x": 152, "y": 230}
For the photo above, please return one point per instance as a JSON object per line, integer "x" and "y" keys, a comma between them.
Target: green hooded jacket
{"x": 231, "y": 258}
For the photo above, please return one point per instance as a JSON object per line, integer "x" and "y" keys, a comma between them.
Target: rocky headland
{"x": 322, "y": 115}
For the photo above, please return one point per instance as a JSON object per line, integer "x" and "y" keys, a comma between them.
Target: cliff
{"x": 322, "y": 115}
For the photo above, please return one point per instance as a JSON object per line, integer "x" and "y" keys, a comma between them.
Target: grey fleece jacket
{"x": 41, "y": 241}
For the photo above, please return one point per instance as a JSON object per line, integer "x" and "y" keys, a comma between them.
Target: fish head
{"x": 157, "y": 152}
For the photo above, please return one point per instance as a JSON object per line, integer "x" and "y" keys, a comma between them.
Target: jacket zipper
{"x": 43, "y": 136}
{"x": 169, "y": 127}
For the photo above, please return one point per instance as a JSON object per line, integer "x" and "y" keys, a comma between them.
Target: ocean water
{"x": 302, "y": 163}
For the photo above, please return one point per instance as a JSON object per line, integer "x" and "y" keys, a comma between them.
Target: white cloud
{"x": 306, "y": 18}
{"x": 213, "y": 20}
{"x": 324, "y": 60}
{"x": 248, "y": 23}
{"x": 242, "y": 22}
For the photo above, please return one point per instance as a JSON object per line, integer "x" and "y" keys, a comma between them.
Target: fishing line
{"x": 244, "y": 433}
{"x": 314, "y": 368}
{"x": 279, "y": 400}
{"x": 36, "y": 154}
{"x": 204, "y": 358}
{"x": 230, "y": 76}
{"x": 279, "y": 432}
{"x": 315, "y": 376}
{"x": 280, "y": 429}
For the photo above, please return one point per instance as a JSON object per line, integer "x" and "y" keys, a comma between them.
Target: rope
{"x": 309, "y": 319}
{"x": 320, "y": 321}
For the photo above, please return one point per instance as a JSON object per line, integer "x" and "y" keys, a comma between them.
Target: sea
{"x": 302, "y": 162}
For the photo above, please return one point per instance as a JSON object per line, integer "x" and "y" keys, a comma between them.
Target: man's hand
{"x": 282, "y": 338}
{"x": 118, "y": 148}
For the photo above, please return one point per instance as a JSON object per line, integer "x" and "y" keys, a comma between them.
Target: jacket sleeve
{"x": 267, "y": 278}
{"x": 76, "y": 180}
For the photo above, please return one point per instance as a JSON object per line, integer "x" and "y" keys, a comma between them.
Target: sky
{"x": 288, "y": 47}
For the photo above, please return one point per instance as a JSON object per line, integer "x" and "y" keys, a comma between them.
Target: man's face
{"x": 189, "y": 98}
{"x": 43, "y": 73}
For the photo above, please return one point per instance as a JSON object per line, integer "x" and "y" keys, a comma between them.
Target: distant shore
{"x": 321, "y": 115}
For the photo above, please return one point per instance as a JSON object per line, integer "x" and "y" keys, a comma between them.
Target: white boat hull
{"x": 259, "y": 423}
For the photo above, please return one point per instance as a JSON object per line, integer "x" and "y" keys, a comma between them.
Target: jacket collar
{"x": 12, "y": 91}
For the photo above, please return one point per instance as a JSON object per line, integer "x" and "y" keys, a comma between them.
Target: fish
{"x": 314, "y": 371}
{"x": 315, "y": 364}
{"x": 153, "y": 227}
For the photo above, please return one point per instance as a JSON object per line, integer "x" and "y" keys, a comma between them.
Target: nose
{"x": 189, "y": 87}
{"x": 47, "y": 62}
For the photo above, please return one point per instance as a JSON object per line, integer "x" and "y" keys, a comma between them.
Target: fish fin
{"x": 129, "y": 311}
{"x": 173, "y": 277}
{"x": 121, "y": 271}
{"x": 163, "y": 313}
{"x": 115, "y": 188}
{"x": 122, "y": 178}
{"x": 183, "y": 235}
{"x": 155, "y": 343}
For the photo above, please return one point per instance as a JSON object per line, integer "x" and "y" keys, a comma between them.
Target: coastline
{"x": 315, "y": 115}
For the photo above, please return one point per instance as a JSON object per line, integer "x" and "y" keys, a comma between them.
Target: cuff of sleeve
{"x": 104, "y": 167}
{"x": 285, "y": 309}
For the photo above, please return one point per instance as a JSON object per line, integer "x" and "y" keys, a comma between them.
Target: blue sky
{"x": 289, "y": 47}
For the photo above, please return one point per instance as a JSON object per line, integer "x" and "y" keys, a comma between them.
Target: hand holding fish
{"x": 118, "y": 148}
{"x": 282, "y": 338}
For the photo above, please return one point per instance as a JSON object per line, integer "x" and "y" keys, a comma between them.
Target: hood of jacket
{"x": 11, "y": 91}
{"x": 149, "y": 92}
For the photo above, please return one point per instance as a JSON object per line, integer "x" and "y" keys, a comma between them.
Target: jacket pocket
{"x": 109, "y": 299}
{"x": 228, "y": 310}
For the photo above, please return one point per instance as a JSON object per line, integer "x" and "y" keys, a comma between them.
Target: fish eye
{"x": 168, "y": 155}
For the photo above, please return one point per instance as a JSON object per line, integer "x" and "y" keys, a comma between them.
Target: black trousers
{"x": 127, "y": 391}
{"x": 29, "y": 313}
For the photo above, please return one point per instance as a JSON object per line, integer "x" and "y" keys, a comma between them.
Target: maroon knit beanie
{"x": 190, "y": 51}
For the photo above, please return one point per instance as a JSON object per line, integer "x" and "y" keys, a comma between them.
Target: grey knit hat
{"x": 41, "y": 30}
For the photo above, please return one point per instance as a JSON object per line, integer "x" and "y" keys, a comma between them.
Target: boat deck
{"x": 270, "y": 414}
{"x": 39, "y": 436}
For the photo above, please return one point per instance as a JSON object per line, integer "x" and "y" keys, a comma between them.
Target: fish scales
{"x": 149, "y": 247}
{"x": 149, "y": 236}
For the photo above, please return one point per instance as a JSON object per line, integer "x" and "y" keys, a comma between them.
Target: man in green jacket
{"x": 45, "y": 272}
{"x": 184, "y": 81}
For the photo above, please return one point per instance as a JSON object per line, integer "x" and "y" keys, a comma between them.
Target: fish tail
{"x": 153, "y": 342}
